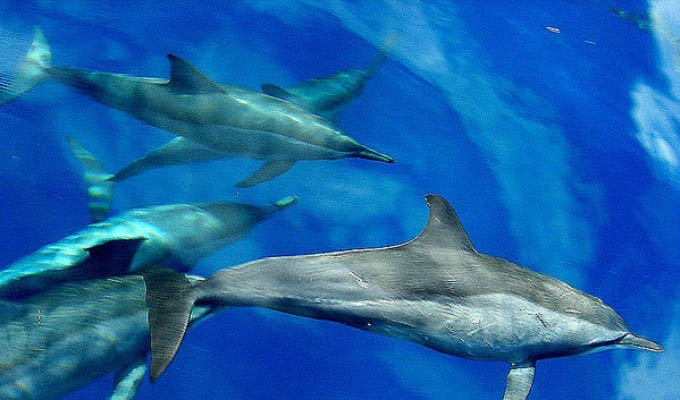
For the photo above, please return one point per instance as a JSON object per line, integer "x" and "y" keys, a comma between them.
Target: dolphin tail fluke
{"x": 638, "y": 342}
{"x": 268, "y": 171}
{"x": 385, "y": 50}
{"x": 31, "y": 70}
{"x": 99, "y": 185}
{"x": 519, "y": 381}
{"x": 167, "y": 296}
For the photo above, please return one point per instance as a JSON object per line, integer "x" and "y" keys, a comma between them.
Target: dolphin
{"x": 75, "y": 332}
{"x": 329, "y": 95}
{"x": 436, "y": 290}
{"x": 233, "y": 121}
{"x": 325, "y": 97}
{"x": 176, "y": 235}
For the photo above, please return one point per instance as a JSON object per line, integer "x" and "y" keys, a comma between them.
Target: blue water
{"x": 559, "y": 151}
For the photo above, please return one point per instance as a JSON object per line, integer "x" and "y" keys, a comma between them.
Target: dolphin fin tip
{"x": 286, "y": 202}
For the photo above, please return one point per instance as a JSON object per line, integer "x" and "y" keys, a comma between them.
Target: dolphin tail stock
{"x": 170, "y": 306}
{"x": 99, "y": 184}
{"x": 177, "y": 151}
{"x": 32, "y": 69}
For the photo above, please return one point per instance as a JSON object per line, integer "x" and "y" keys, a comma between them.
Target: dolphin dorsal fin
{"x": 187, "y": 79}
{"x": 443, "y": 227}
{"x": 276, "y": 91}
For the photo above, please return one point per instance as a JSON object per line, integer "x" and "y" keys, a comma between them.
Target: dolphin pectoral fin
{"x": 187, "y": 79}
{"x": 269, "y": 170}
{"x": 110, "y": 258}
{"x": 276, "y": 91}
{"x": 99, "y": 186}
{"x": 127, "y": 380}
{"x": 519, "y": 380}
{"x": 177, "y": 151}
{"x": 169, "y": 315}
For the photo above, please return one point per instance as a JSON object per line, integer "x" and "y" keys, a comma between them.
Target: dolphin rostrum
{"x": 325, "y": 97}
{"x": 436, "y": 290}
{"x": 233, "y": 121}
{"x": 75, "y": 332}
{"x": 177, "y": 235}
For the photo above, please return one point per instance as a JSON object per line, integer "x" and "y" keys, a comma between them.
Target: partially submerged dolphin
{"x": 177, "y": 235}
{"x": 436, "y": 290}
{"x": 325, "y": 97}
{"x": 328, "y": 96}
{"x": 75, "y": 332}
{"x": 225, "y": 119}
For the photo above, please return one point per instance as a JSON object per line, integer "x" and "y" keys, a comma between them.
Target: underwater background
{"x": 560, "y": 151}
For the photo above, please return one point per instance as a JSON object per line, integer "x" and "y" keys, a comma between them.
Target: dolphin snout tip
{"x": 642, "y": 343}
{"x": 376, "y": 156}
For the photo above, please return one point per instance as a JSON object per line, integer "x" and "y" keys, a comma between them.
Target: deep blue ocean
{"x": 559, "y": 150}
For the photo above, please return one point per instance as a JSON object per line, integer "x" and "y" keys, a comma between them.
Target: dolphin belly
{"x": 505, "y": 327}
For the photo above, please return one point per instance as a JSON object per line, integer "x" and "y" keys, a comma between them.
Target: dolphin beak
{"x": 371, "y": 154}
{"x": 639, "y": 342}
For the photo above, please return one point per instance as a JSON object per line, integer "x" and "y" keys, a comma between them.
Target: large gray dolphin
{"x": 233, "y": 121}
{"x": 325, "y": 97}
{"x": 436, "y": 290}
{"x": 73, "y": 333}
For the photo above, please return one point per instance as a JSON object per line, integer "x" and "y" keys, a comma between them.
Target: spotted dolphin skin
{"x": 177, "y": 235}
{"x": 74, "y": 333}
{"x": 436, "y": 290}
{"x": 225, "y": 119}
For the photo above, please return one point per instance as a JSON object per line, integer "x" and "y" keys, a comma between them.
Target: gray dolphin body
{"x": 232, "y": 121}
{"x": 436, "y": 290}
{"x": 325, "y": 97}
{"x": 177, "y": 235}
{"x": 73, "y": 333}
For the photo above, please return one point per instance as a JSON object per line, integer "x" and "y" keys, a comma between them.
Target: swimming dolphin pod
{"x": 218, "y": 118}
{"x": 75, "y": 332}
{"x": 436, "y": 290}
